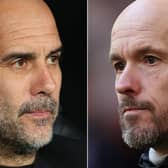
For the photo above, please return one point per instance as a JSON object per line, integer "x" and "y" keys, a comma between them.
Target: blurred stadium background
{"x": 105, "y": 146}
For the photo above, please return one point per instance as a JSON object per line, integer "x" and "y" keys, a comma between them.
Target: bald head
{"x": 19, "y": 12}
{"x": 139, "y": 55}
{"x": 19, "y": 9}
{"x": 30, "y": 49}
{"x": 20, "y": 19}
{"x": 142, "y": 18}
{"x": 144, "y": 13}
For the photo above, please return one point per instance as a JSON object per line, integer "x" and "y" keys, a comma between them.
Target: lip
{"x": 38, "y": 114}
{"x": 132, "y": 109}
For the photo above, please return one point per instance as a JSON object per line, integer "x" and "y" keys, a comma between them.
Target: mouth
{"x": 133, "y": 110}
{"x": 38, "y": 114}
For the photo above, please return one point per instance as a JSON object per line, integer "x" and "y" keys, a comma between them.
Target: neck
{"x": 11, "y": 159}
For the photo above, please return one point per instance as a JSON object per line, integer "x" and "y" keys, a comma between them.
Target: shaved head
{"x": 141, "y": 12}
{"x": 24, "y": 10}
{"x": 21, "y": 16}
{"x": 30, "y": 77}
{"x": 139, "y": 55}
{"x": 143, "y": 16}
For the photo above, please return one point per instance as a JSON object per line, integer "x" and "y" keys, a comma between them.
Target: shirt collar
{"x": 155, "y": 157}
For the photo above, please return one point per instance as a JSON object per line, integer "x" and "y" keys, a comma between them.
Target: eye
{"x": 151, "y": 59}
{"x": 19, "y": 63}
{"x": 119, "y": 66}
{"x": 53, "y": 60}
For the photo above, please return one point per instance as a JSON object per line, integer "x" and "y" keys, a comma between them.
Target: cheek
{"x": 157, "y": 89}
{"x": 58, "y": 79}
{"x": 119, "y": 98}
{"x": 156, "y": 81}
{"x": 12, "y": 95}
{"x": 13, "y": 91}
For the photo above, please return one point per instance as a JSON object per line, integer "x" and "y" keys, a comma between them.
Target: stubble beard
{"x": 144, "y": 136}
{"x": 140, "y": 138}
{"x": 14, "y": 135}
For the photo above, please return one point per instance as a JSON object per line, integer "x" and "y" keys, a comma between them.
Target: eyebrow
{"x": 55, "y": 51}
{"x": 114, "y": 57}
{"x": 16, "y": 55}
{"x": 149, "y": 49}
{"x": 140, "y": 51}
{"x": 29, "y": 56}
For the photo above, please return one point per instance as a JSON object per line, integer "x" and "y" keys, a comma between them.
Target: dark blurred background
{"x": 71, "y": 22}
{"x": 105, "y": 146}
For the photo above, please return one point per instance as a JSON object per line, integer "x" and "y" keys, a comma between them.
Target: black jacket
{"x": 62, "y": 152}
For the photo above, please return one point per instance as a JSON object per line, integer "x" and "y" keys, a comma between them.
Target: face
{"x": 139, "y": 55}
{"x": 30, "y": 77}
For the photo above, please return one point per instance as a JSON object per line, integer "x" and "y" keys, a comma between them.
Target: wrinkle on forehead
{"x": 142, "y": 22}
{"x": 27, "y": 32}
{"x": 130, "y": 31}
{"x": 27, "y": 26}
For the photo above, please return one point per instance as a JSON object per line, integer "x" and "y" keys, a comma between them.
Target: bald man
{"x": 30, "y": 81}
{"x": 139, "y": 55}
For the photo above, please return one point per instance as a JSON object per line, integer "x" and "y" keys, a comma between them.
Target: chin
{"x": 140, "y": 137}
{"x": 41, "y": 139}
{"x": 37, "y": 134}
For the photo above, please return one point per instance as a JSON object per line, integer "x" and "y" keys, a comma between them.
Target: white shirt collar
{"x": 155, "y": 157}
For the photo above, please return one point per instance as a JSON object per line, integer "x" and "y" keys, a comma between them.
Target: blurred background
{"x": 71, "y": 20}
{"x": 105, "y": 146}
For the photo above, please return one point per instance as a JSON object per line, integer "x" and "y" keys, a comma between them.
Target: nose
{"x": 43, "y": 81}
{"x": 128, "y": 82}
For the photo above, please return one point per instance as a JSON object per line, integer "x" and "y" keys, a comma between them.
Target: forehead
{"x": 134, "y": 29}
{"x": 143, "y": 12}
{"x": 28, "y": 26}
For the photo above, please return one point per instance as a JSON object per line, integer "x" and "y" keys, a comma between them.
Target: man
{"x": 139, "y": 55}
{"x": 30, "y": 81}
